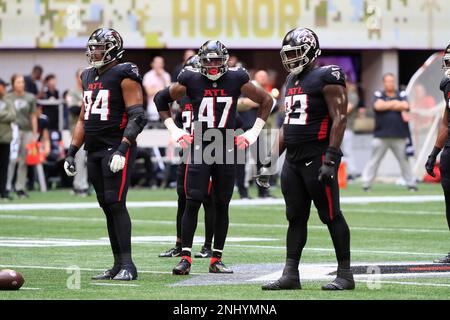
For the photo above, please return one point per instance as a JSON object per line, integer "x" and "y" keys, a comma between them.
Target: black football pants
{"x": 111, "y": 189}
{"x": 445, "y": 180}
{"x": 301, "y": 187}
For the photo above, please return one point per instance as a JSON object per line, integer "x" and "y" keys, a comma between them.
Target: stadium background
{"x": 372, "y": 37}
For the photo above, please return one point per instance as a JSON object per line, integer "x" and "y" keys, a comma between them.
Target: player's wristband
{"x": 73, "y": 149}
{"x": 435, "y": 152}
{"x": 123, "y": 147}
{"x": 332, "y": 156}
{"x": 174, "y": 131}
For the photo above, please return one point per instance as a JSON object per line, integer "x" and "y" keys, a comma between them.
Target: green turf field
{"x": 43, "y": 244}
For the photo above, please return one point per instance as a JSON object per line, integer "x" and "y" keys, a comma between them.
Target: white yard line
{"x": 232, "y": 224}
{"x": 254, "y": 202}
{"x": 115, "y": 284}
{"x": 408, "y": 283}
{"x": 362, "y": 251}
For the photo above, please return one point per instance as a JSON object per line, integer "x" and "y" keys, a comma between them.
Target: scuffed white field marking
{"x": 253, "y": 202}
{"x": 57, "y": 242}
{"x": 232, "y": 224}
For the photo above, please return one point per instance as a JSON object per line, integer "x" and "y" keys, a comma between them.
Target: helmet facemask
{"x": 295, "y": 58}
{"x": 213, "y": 66}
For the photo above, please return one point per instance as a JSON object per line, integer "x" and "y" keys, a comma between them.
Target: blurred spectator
{"x": 176, "y": 71}
{"x": 49, "y": 90}
{"x": 390, "y": 132}
{"x": 353, "y": 110}
{"x": 43, "y": 133}
{"x": 74, "y": 100}
{"x": 27, "y": 121}
{"x": 421, "y": 102}
{"x": 233, "y": 61}
{"x": 44, "y": 139}
{"x": 33, "y": 83}
{"x": 155, "y": 80}
{"x": 7, "y": 116}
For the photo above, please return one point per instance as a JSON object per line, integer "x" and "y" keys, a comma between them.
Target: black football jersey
{"x": 445, "y": 88}
{"x": 105, "y": 117}
{"x": 213, "y": 102}
{"x": 307, "y": 117}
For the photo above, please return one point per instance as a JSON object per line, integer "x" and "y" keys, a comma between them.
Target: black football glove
{"x": 263, "y": 177}
{"x": 431, "y": 162}
{"x": 327, "y": 172}
{"x": 69, "y": 162}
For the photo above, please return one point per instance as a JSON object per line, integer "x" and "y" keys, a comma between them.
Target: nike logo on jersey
{"x": 109, "y": 149}
{"x": 308, "y": 163}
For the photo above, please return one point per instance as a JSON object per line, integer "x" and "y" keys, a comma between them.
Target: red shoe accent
{"x": 187, "y": 258}
{"x": 214, "y": 260}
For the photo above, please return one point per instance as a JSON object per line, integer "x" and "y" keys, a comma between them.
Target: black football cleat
{"x": 217, "y": 266}
{"x": 106, "y": 275}
{"x": 183, "y": 267}
{"x": 173, "y": 252}
{"x": 445, "y": 259}
{"x": 284, "y": 283}
{"x": 204, "y": 253}
{"x": 125, "y": 275}
{"x": 290, "y": 280}
{"x": 343, "y": 281}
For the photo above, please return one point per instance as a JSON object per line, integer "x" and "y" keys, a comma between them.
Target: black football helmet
{"x": 213, "y": 57}
{"x": 104, "y": 46}
{"x": 192, "y": 62}
{"x": 446, "y": 61}
{"x": 299, "y": 49}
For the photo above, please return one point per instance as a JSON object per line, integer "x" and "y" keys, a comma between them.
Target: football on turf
{"x": 10, "y": 280}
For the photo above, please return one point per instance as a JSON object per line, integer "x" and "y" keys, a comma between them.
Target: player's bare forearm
{"x": 259, "y": 96}
{"x": 166, "y": 96}
{"x": 78, "y": 134}
{"x": 443, "y": 131}
{"x": 336, "y": 99}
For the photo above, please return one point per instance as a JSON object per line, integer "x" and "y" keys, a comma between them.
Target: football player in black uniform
{"x": 316, "y": 107}
{"x": 183, "y": 119}
{"x": 443, "y": 141}
{"x": 213, "y": 91}
{"x": 112, "y": 117}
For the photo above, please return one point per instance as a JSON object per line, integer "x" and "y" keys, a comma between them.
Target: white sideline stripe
{"x": 362, "y": 251}
{"x": 115, "y": 284}
{"x": 254, "y": 202}
{"x": 26, "y": 288}
{"x": 246, "y": 225}
{"x": 408, "y": 283}
{"x": 353, "y": 209}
